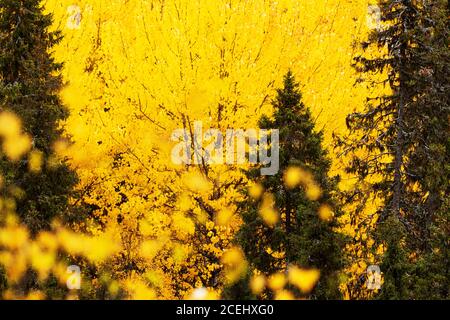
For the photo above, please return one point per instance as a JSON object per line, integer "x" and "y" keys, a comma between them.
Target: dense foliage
{"x": 302, "y": 193}
{"x": 92, "y": 94}
{"x": 399, "y": 148}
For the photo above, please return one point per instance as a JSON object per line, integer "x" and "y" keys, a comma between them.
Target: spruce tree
{"x": 399, "y": 146}
{"x": 30, "y": 82}
{"x": 306, "y": 240}
{"x": 430, "y": 160}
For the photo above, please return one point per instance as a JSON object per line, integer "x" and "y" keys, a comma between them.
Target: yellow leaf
{"x": 257, "y": 284}
{"x": 35, "y": 295}
{"x": 35, "y": 160}
{"x": 42, "y": 261}
{"x": 326, "y": 213}
{"x": 196, "y": 182}
{"x": 255, "y": 191}
{"x": 149, "y": 249}
{"x": 234, "y": 263}
{"x": 269, "y": 215}
{"x": 203, "y": 294}
{"x": 284, "y": 295}
{"x": 267, "y": 211}
{"x": 139, "y": 291}
{"x": 292, "y": 177}
{"x": 277, "y": 281}
{"x": 10, "y": 125}
{"x": 224, "y": 217}
{"x": 98, "y": 249}
{"x": 16, "y": 147}
{"x": 313, "y": 192}
{"x": 14, "y": 237}
{"x": 303, "y": 279}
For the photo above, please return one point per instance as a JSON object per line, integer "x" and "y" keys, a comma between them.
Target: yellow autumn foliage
{"x": 138, "y": 70}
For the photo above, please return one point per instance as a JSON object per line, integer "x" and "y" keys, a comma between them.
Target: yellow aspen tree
{"x": 138, "y": 70}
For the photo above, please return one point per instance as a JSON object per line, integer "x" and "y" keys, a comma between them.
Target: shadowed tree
{"x": 399, "y": 148}
{"x": 30, "y": 82}
{"x": 305, "y": 239}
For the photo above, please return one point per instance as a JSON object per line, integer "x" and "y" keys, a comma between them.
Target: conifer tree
{"x": 30, "y": 82}
{"x": 306, "y": 240}
{"x": 399, "y": 146}
{"x": 429, "y": 161}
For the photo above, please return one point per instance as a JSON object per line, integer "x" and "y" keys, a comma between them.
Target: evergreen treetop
{"x": 305, "y": 239}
